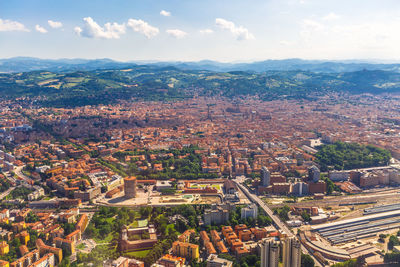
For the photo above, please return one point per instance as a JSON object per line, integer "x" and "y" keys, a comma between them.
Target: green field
{"x": 107, "y": 239}
{"x": 139, "y": 223}
{"x": 137, "y": 254}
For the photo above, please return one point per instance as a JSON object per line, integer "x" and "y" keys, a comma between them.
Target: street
{"x": 5, "y": 193}
{"x": 277, "y": 222}
{"x": 18, "y": 172}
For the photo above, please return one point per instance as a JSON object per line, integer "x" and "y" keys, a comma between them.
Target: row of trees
{"x": 261, "y": 220}
{"x": 20, "y": 192}
{"x": 330, "y": 186}
{"x": 393, "y": 241}
{"x": 283, "y": 212}
{"x": 4, "y": 185}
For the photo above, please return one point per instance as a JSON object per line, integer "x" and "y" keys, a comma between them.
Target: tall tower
{"x": 291, "y": 252}
{"x": 265, "y": 176}
{"x": 269, "y": 253}
{"x": 130, "y": 187}
{"x": 313, "y": 174}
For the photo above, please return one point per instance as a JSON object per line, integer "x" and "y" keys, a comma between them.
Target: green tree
{"x": 307, "y": 261}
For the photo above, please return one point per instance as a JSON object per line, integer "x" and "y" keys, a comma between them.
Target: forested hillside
{"x": 169, "y": 83}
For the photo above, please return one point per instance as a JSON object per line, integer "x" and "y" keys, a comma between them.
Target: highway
{"x": 277, "y": 222}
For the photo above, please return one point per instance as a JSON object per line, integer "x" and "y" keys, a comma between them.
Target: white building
{"x": 291, "y": 252}
{"x": 251, "y": 211}
{"x": 265, "y": 176}
{"x": 269, "y": 249}
{"x": 337, "y": 176}
{"x": 163, "y": 185}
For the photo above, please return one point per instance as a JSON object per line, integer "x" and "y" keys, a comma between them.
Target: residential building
{"x": 251, "y": 211}
{"x": 265, "y": 176}
{"x": 171, "y": 261}
{"x": 269, "y": 250}
{"x": 216, "y": 215}
{"x": 27, "y": 259}
{"x": 185, "y": 250}
{"x": 47, "y": 260}
{"x": 4, "y": 248}
{"x": 313, "y": 174}
{"x": 291, "y": 252}
{"x": 300, "y": 189}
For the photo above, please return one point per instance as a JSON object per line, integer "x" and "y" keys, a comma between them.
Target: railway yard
{"x": 358, "y": 236}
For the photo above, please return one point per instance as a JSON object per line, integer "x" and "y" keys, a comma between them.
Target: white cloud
{"x": 331, "y": 16}
{"x": 10, "y": 25}
{"x": 143, "y": 27}
{"x": 206, "y": 31}
{"x": 285, "y": 43}
{"x": 40, "y": 29}
{"x": 309, "y": 28}
{"x": 54, "y": 24}
{"x": 165, "y": 13}
{"x": 362, "y": 39}
{"x": 313, "y": 25}
{"x": 93, "y": 30}
{"x": 240, "y": 32}
{"x": 178, "y": 34}
{"x": 78, "y": 30}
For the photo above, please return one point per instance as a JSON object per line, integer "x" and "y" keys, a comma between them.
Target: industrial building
{"x": 379, "y": 209}
{"x": 358, "y": 228}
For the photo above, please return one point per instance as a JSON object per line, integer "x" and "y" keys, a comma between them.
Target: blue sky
{"x": 186, "y": 30}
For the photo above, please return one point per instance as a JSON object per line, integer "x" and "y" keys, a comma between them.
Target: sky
{"x": 189, "y": 30}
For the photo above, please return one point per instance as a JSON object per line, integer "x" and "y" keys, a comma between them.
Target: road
{"x": 5, "y": 193}
{"x": 277, "y": 222}
{"x": 18, "y": 172}
{"x": 255, "y": 199}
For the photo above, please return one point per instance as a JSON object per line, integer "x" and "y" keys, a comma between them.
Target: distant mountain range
{"x": 25, "y": 64}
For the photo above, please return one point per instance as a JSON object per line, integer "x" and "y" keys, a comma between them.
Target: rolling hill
{"x": 151, "y": 82}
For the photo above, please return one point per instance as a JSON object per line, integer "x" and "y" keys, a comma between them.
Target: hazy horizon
{"x": 248, "y": 61}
